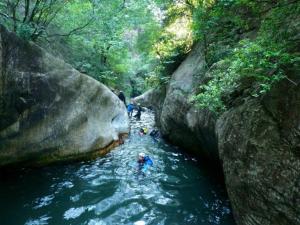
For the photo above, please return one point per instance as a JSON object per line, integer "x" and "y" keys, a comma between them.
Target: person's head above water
{"x": 141, "y": 156}
{"x": 143, "y": 130}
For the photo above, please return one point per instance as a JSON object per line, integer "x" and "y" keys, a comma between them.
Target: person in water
{"x": 143, "y": 131}
{"x": 130, "y": 108}
{"x": 144, "y": 162}
{"x": 139, "y": 112}
{"x": 154, "y": 133}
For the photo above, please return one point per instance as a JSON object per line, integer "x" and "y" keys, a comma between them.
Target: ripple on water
{"x": 127, "y": 213}
{"x": 73, "y": 213}
{"x": 43, "y": 220}
{"x": 62, "y": 186}
{"x": 87, "y": 195}
{"x": 96, "y": 222}
{"x": 110, "y": 190}
{"x": 163, "y": 201}
{"x": 102, "y": 181}
{"x": 44, "y": 201}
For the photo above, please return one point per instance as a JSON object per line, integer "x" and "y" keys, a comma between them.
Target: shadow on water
{"x": 178, "y": 189}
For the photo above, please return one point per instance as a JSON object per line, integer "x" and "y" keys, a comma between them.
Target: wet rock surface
{"x": 49, "y": 111}
{"x": 256, "y": 140}
{"x": 179, "y": 120}
{"x": 259, "y": 146}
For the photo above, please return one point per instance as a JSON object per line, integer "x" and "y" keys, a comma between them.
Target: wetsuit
{"x": 130, "y": 108}
{"x": 154, "y": 133}
{"x": 122, "y": 97}
{"x": 139, "y": 112}
{"x": 145, "y": 163}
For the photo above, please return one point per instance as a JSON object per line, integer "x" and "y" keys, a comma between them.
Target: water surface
{"x": 110, "y": 190}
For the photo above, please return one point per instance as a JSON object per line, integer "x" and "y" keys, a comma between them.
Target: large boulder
{"x": 48, "y": 110}
{"x": 259, "y": 142}
{"x": 183, "y": 123}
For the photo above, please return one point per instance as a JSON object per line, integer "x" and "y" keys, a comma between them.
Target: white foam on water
{"x": 74, "y": 213}
{"x": 140, "y": 222}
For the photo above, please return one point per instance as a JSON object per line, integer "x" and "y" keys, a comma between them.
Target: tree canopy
{"x": 123, "y": 43}
{"x": 136, "y": 44}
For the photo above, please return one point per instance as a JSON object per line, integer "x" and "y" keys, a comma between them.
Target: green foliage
{"x": 25, "y": 31}
{"x": 266, "y": 65}
{"x": 219, "y": 24}
{"x": 133, "y": 45}
{"x": 169, "y": 44}
{"x": 170, "y": 51}
{"x": 156, "y": 78}
{"x": 107, "y": 48}
{"x": 281, "y": 25}
{"x": 120, "y": 43}
{"x": 264, "y": 60}
{"x": 129, "y": 42}
{"x": 29, "y": 18}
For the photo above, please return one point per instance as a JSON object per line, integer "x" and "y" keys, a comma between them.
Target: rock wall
{"x": 259, "y": 142}
{"x": 48, "y": 110}
{"x": 179, "y": 120}
{"x": 153, "y": 98}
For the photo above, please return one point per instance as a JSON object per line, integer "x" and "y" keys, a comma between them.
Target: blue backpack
{"x": 148, "y": 162}
{"x": 130, "y": 107}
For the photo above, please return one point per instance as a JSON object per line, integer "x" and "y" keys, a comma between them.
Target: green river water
{"x": 109, "y": 190}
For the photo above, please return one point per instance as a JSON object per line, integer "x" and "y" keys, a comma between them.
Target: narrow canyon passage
{"x": 110, "y": 190}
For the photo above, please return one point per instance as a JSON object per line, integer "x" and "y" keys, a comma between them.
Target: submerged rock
{"x": 259, "y": 142}
{"x": 48, "y": 110}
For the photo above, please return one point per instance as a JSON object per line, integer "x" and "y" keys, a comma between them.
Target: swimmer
{"x": 154, "y": 133}
{"x": 143, "y": 131}
{"x": 144, "y": 162}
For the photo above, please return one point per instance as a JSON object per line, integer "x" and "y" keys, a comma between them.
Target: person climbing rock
{"x": 139, "y": 112}
{"x": 122, "y": 97}
{"x": 113, "y": 91}
{"x": 144, "y": 162}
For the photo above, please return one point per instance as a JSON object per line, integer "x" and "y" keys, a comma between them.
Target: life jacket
{"x": 148, "y": 161}
{"x": 130, "y": 107}
{"x": 145, "y": 130}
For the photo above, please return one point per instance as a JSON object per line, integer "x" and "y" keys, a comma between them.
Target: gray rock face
{"x": 259, "y": 142}
{"x": 48, "y": 110}
{"x": 153, "y": 98}
{"x": 180, "y": 121}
